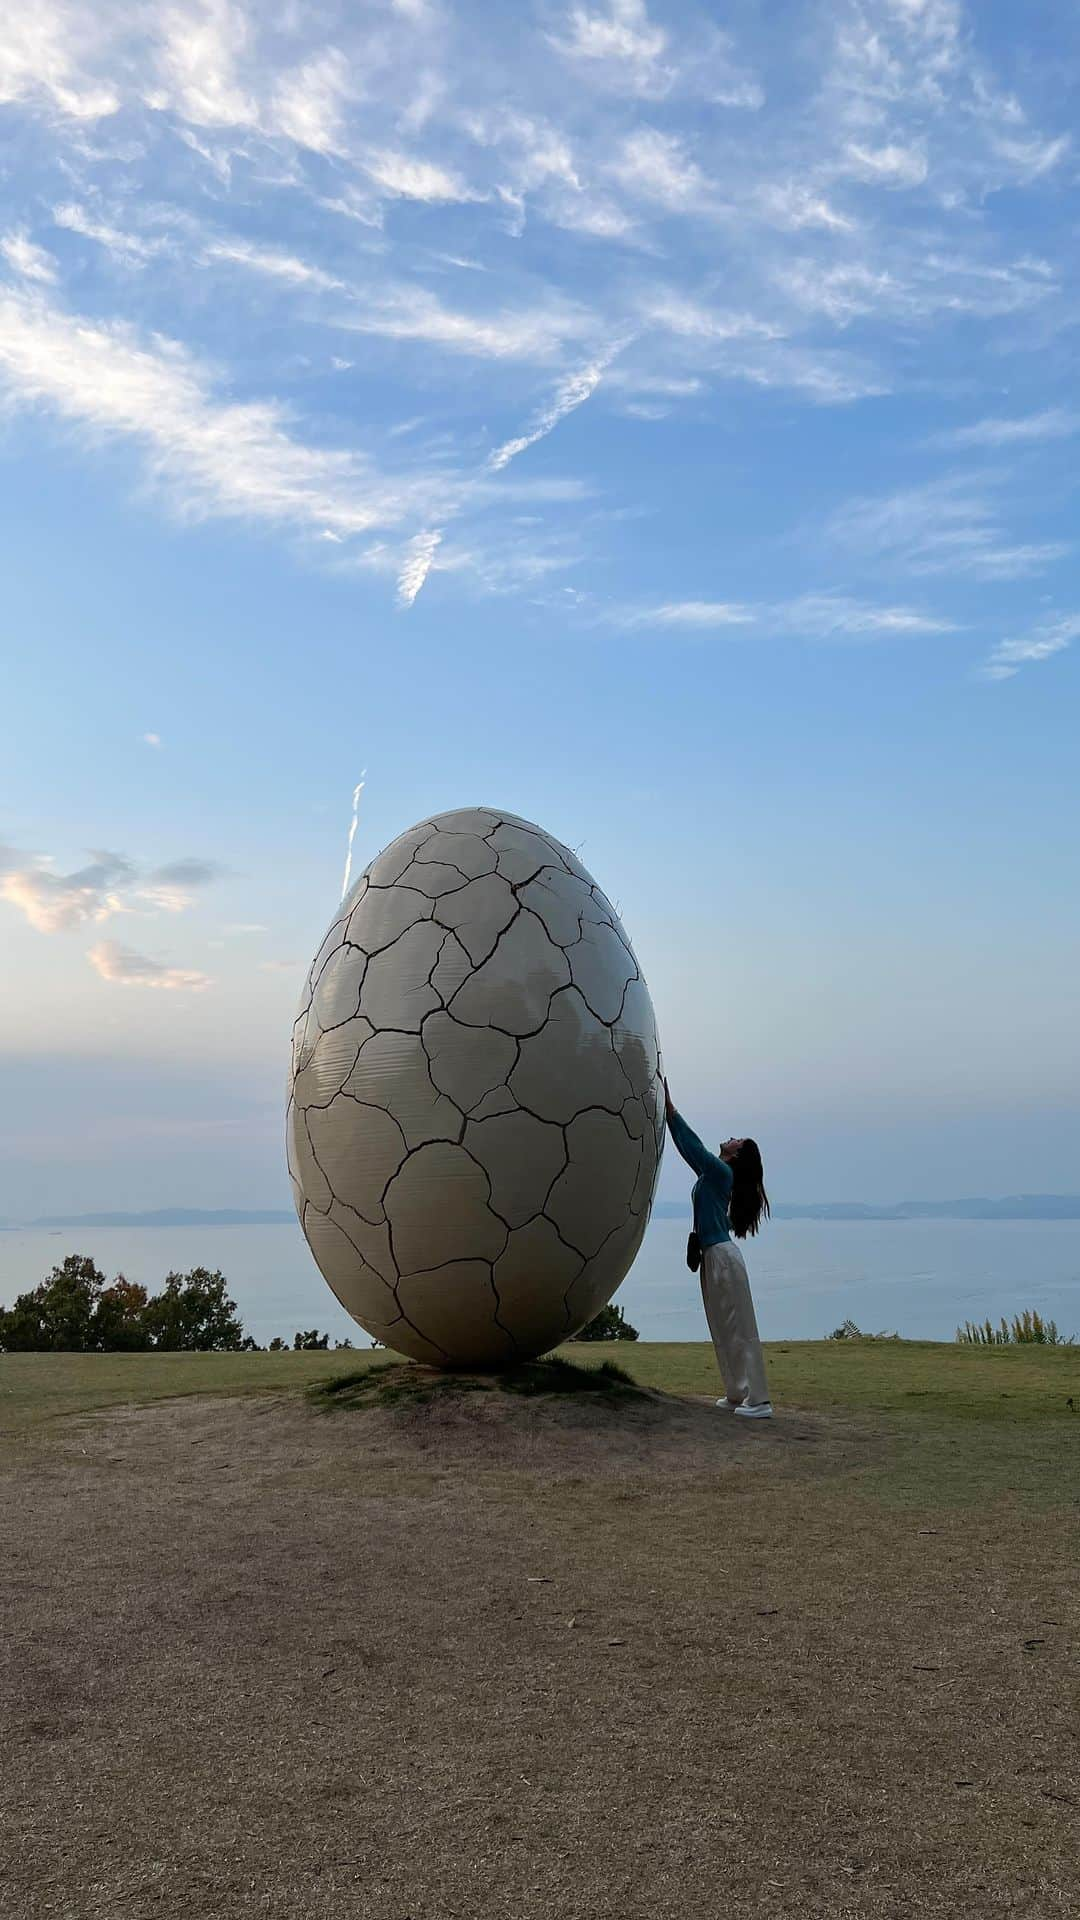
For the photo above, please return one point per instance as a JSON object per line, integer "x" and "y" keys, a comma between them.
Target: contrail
{"x": 357, "y": 791}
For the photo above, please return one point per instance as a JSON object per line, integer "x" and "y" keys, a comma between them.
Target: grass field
{"x": 590, "y": 1657}
{"x": 907, "y": 1381}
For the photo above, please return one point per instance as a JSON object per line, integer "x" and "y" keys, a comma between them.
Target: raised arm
{"x": 693, "y": 1150}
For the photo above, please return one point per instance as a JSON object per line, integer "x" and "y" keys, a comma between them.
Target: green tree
{"x": 278, "y": 1345}
{"x": 193, "y": 1314}
{"x": 610, "y": 1324}
{"x": 311, "y": 1342}
{"x": 120, "y": 1318}
{"x": 59, "y": 1315}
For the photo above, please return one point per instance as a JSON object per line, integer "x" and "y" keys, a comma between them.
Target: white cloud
{"x": 200, "y": 50}
{"x": 411, "y": 179}
{"x": 222, "y": 456}
{"x": 152, "y": 739}
{"x": 413, "y": 313}
{"x": 695, "y": 614}
{"x": 818, "y": 616}
{"x": 1054, "y": 423}
{"x": 827, "y": 379}
{"x": 791, "y": 205}
{"x": 110, "y": 884}
{"x": 832, "y": 615}
{"x": 42, "y": 52}
{"x": 571, "y": 392}
{"x": 914, "y": 287}
{"x": 843, "y": 292}
{"x": 622, "y": 45}
{"x": 60, "y": 903}
{"x": 1053, "y": 636}
{"x": 680, "y": 314}
{"x": 307, "y": 105}
{"x": 888, "y": 166}
{"x": 273, "y": 263}
{"x": 740, "y": 346}
{"x": 29, "y": 261}
{"x": 947, "y": 526}
{"x": 598, "y": 217}
{"x": 126, "y": 968}
{"x": 127, "y": 247}
{"x": 419, "y": 554}
{"x": 656, "y": 167}
{"x": 1029, "y": 159}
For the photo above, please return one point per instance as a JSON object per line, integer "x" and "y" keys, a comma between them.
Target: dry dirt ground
{"x": 524, "y": 1658}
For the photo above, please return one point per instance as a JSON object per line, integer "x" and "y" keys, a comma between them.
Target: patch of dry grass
{"x": 497, "y": 1657}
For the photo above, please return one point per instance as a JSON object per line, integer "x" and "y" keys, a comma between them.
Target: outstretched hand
{"x": 669, "y": 1104}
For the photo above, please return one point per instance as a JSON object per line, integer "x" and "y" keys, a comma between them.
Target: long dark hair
{"x": 749, "y": 1203}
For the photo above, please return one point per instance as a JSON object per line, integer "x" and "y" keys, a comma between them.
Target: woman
{"x": 729, "y": 1196}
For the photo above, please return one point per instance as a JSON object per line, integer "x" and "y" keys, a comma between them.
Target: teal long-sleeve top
{"x": 712, "y": 1188}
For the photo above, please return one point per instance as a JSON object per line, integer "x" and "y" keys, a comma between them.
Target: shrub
{"x": 1027, "y": 1329}
{"x": 610, "y": 1324}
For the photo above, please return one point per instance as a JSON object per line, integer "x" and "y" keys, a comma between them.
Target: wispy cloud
{"x": 792, "y": 205}
{"x": 214, "y": 455}
{"x": 308, "y": 105}
{"x": 655, "y": 166}
{"x": 29, "y": 261}
{"x": 1045, "y": 640}
{"x": 407, "y": 178}
{"x": 1054, "y": 423}
{"x": 413, "y": 313}
{"x": 129, "y": 248}
{"x": 948, "y": 526}
{"x": 570, "y": 393}
{"x": 817, "y": 616}
{"x": 199, "y": 58}
{"x": 419, "y": 555}
{"x": 699, "y": 614}
{"x": 621, "y": 44}
{"x": 44, "y": 54}
{"x": 151, "y": 739}
{"x": 126, "y": 968}
{"x": 888, "y": 166}
{"x": 1029, "y": 159}
{"x": 274, "y": 263}
{"x": 827, "y": 616}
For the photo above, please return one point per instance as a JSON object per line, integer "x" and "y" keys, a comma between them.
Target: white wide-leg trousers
{"x": 729, "y": 1310}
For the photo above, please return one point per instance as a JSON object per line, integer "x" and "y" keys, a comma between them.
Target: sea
{"x": 918, "y": 1278}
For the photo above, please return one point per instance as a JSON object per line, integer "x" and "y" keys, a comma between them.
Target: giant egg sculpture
{"x": 476, "y": 1114}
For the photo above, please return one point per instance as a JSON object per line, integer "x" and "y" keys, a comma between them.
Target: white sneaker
{"x": 762, "y": 1411}
{"x": 727, "y": 1406}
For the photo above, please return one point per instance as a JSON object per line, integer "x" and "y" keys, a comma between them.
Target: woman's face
{"x": 730, "y": 1148}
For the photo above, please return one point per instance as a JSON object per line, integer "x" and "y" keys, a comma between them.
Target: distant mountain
{"x": 169, "y": 1217}
{"x": 1017, "y": 1206}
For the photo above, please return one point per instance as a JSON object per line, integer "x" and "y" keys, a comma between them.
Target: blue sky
{"x": 658, "y": 422}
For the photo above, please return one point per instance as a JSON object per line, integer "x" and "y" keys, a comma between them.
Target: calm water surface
{"x": 918, "y": 1278}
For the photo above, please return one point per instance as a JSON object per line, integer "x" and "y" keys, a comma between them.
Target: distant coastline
{"x": 1017, "y": 1206}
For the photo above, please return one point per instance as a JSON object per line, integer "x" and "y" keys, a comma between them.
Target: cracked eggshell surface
{"x": 476, "y": 1115}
